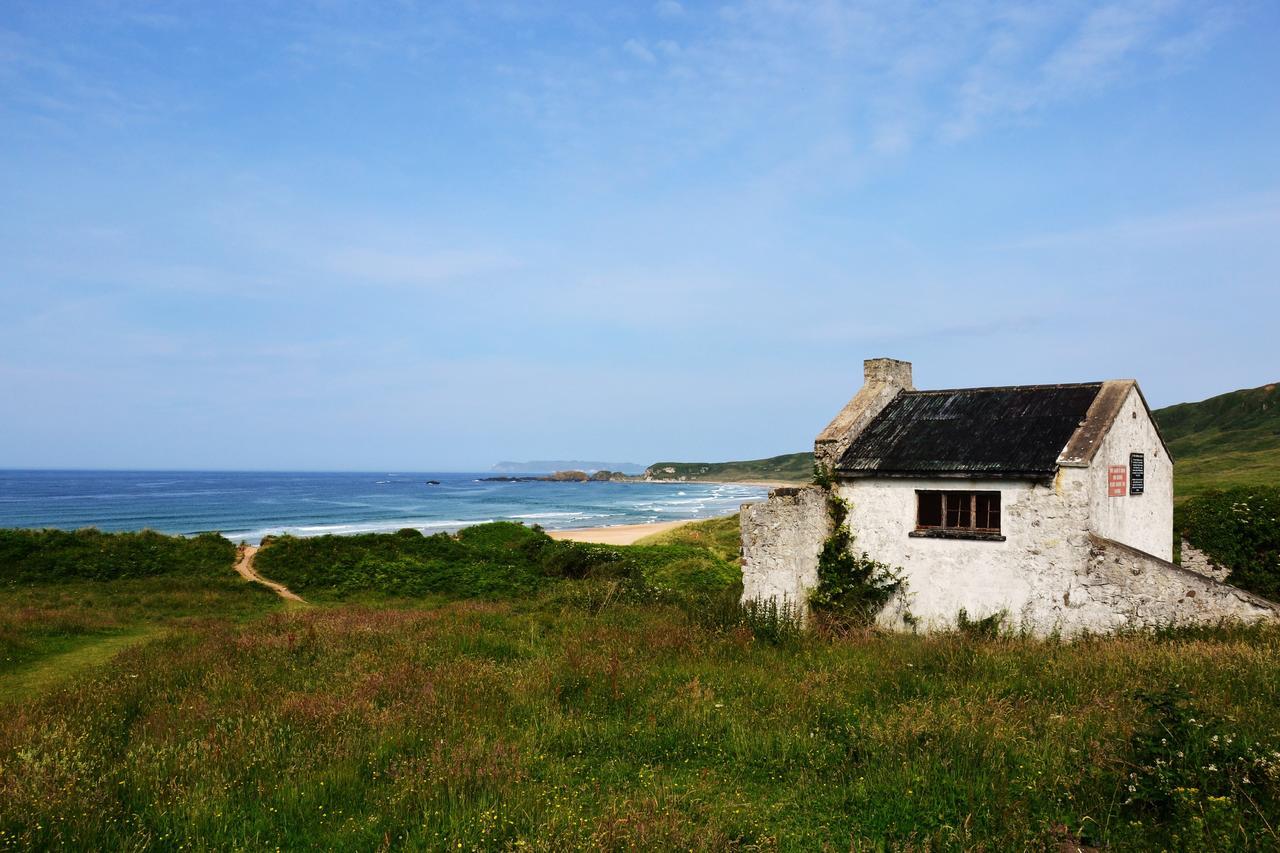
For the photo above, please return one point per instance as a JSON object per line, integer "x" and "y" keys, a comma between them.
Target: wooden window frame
{"x": 960, "y": 504}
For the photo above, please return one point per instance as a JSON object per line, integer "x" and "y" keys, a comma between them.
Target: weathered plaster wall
{"x": 781, "y": 538}
{"x": 1141, "y": 521}
{"x": 1045, "y": 532}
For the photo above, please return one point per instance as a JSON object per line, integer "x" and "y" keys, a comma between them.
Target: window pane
{"x": 988, "y": 511}
{"x": 928, "y": 509}
{"x": 958, "y": 509}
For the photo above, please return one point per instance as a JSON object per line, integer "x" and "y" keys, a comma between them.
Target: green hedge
{"x": 500, "y": 559}
{"x": 1240, "y": 530}
{"x": 51, "y": 555}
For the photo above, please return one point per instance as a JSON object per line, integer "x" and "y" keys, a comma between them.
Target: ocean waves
{"x": 249, "y": 506}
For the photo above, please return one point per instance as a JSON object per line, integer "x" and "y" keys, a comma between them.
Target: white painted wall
{"x": 1141, "y": 521}
{"x": 1046, "y": 536}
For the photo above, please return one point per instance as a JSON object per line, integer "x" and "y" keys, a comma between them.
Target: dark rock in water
{"x": 433, "y": 482}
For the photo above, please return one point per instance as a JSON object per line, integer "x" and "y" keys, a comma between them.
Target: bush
{"x": 765, "y": 619}
{"x": 500, "y": 559}
{"x": 986, "y": 628}
{"x": 1240, "y": 530}
{"x": 90, "y": 554}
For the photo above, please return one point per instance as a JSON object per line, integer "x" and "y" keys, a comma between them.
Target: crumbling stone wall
{"x": 1195, "y": 560}
{"x": 781, "y": 539}
{"x": 1127, "y": 588}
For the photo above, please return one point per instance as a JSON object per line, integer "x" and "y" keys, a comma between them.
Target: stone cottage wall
{"x": 1024, "y": 575}
{"x": 1127, "y": 588}
{"x": 781, "y": 539}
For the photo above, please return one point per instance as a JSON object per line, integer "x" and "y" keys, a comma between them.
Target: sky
{"x": 429, "y": 236}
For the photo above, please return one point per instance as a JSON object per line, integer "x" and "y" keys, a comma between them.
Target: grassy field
{"x": 594, "y": 698}
{"x": 63, "y": 594}
{"x": 491, "y": 725}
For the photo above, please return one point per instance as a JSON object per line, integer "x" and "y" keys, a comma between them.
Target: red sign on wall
{"x": 1117, "y": 481}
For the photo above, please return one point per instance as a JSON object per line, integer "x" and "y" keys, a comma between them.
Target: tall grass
{"x": 505, "y": 725}
{"x": 59, "y": 589}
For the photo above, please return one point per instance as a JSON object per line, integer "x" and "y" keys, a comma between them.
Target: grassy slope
{"x": 1229, "y": 440}
{"x": 721, "y": 536}
{"x": 790, "y": 468}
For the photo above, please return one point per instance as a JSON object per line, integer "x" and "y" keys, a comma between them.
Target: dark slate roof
{"x": 997, "y": 432}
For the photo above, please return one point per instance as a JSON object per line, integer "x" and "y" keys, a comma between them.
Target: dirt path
{"x": 244, "y": 565}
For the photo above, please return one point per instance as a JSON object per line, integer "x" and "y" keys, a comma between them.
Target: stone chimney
{"x": 883, "y": 379}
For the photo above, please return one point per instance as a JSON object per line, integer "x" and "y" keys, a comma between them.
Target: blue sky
{"x": 358, "y": 235}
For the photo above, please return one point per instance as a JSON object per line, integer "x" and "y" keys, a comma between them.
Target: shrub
{"x": 53, "y": 555}
{"x": 499, "y": 559}
{"x": 765, "y": 619}
{"x": 986, "y": 628}
{"x": 1240, "y": 530}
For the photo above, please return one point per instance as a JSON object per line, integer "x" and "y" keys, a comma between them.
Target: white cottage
{"x": 1050, "y": 504}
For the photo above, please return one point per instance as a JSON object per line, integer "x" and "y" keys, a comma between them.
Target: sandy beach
{"x": 628, "y": 534}
{"x": 619, "y": 534}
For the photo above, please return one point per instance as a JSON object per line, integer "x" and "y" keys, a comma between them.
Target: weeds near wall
{"x": 986, "y": 628}
{"x": 765, "y": 619}
{"x": 852, "y": 588}
{"x": 1190, "y": 770}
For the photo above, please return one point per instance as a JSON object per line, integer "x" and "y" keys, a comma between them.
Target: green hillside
{"x": 789, "y": 468}
{"x": 1232, "y": 439}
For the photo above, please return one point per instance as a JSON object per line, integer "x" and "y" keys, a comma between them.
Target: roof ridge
{"x": 1046, "y": 387}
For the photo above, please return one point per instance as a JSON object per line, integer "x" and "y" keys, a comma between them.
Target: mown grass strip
{"x": 36, "y": 677}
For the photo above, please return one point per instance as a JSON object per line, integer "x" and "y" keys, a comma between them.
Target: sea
{"x": 246, "y": 506}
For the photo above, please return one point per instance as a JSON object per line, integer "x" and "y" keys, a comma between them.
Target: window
{"x": 958, "y": 514}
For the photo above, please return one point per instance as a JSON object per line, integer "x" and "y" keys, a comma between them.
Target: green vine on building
{"x": 852, "y": 587}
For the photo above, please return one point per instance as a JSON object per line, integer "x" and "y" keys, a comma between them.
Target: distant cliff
{"x": 789, "y": 468}
{"x": 550, "y": 466}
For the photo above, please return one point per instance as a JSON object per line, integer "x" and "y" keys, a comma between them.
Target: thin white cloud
{"x": 637, "y": 49}
{"x": 376, "y": 267}
{"x": 668, "y": 9}
{"x": 1257, "y": 215}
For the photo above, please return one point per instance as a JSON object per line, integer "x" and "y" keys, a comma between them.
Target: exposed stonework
{"x": 1129, "y": 588}
{"x": 883, "y": 378}
{"x": 781, "y": 539}
{"x": 1195, "y": 560}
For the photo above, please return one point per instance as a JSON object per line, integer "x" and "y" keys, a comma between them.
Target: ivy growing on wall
{"x": 851, "y": 585}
